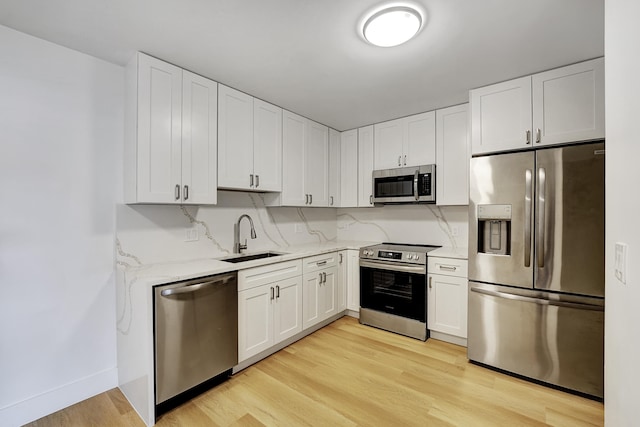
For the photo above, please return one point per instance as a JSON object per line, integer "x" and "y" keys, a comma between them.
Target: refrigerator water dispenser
{"x": 494, "y": 229}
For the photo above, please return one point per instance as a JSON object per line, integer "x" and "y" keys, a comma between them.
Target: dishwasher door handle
{"x": 196, "y": 287}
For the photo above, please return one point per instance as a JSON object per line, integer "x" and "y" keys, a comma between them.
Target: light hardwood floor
{"x": 347, "y": 374}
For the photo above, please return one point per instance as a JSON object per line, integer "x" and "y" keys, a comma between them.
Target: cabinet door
{"x": 235, "y": 138}
{"x": 334, "y": 168}
{"x": 311, "y": 313}
{"x": 419, "y": 142}
{"x": 255, "y": 323}
{"x": 317, "y": 164}
{"x": 452, "y": 163}
{"x": 501, "y": 116}
{"x": 159, "y": 138}
{"x": 329, "y": 293}
{"x": 365, "y": 166}
{"x": 349, "y": 169}
{"x": 353, "y": 280}
{"x": 287, "y": 313}
{"x": 199, "y": 139}
{"x": 388, "y": 139}
{"x": 267, "y": 146}
{"x": 447, "y": 305}
{"x": 568, "y": 103}
{"x": 293, "y": 159}
{"x": 341, "y": 282}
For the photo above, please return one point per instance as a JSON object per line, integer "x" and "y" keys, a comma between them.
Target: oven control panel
{"x": 388, "y": 254}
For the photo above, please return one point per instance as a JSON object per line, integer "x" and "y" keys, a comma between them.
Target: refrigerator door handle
{"x": 527, "y": 217}
{"x": 539, "y": 301}
{"x": 542, "y": 180}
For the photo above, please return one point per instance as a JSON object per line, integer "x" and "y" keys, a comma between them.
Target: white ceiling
{"x": 306, "y": 55}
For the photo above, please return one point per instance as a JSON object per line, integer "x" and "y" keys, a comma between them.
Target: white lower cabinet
{"x": 447, "y": 299}
{"x": 269, "y": 306}
{"x": 319, "y": 291}
{"x": 353, "y": 280}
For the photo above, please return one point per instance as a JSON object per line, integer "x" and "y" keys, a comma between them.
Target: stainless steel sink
{"x": 252, "y": 257}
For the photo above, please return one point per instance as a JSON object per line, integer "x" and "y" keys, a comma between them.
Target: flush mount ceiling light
{"x": 392, "y": 25}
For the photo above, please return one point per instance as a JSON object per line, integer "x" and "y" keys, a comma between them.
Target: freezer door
{"x": 553, "y": 338}
{"x": 569, "y": 233}
{"x": 501, "y": 184}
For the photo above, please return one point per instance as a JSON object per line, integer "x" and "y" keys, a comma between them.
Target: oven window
{"x": 394, "y": 186}
{"x": 395, "y": 292}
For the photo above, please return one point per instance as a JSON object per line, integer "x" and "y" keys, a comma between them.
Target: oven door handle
{"x": 394, "y": 267}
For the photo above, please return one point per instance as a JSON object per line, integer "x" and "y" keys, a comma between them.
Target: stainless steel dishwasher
{"x": 196, "y": 332}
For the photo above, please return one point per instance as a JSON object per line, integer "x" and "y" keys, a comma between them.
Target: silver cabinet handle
{"x": 196, "y": 287}
{"x": 324, "y": 277}
{"x": 250, "y": 180}
{"x": 539, "y": 301}
{"x": 528, "y": 137}
{"x": 415, "y": 184}
{"x": 310, "y": 199}
{"x": 538, "y": 136}
{"x": 257, "y": 181}
{"x": 331, "y": 200}
{"x": 528, "y": 197}
{"x": 185, "y": 192}
{"x": 399, "y": 163}
{"x": 371, "y": 199}
{"x": 320, "y": 278}
{"x": 447, "y": 267}
{"x": 405, "y": 160}
{"x": 177, "y": 192}
{"x": 306, "y": 199}
{"x": 542, "y": 182}
{"x": 319, "y": 263}
{"x": 430, "y": 282}
{"x": 340, "y": 258}
{"x": 277, "y": 291}
{"x": 271, "y": 292}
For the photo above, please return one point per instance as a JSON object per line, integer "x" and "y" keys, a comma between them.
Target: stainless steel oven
{"x": 405, "y": 185}
{"x": 393, "y": 288}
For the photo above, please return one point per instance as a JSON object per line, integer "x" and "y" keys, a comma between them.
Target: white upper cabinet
{"x": 452, "y": 160}
{"x": 568, "y": 103}
{"x": 501, "y": 116}
{"x": 305, "y": 162}
{"x": 171, "y": 135}
{"x": 554, "y": 107}
{"x": 409, "y": 141}
{"x": 365, "y": 166}
{"x": 317, "y": 164}
{"x": 349, "y": 169}
{"x": 334, "y": 168}
{"x": 249, "y": 142}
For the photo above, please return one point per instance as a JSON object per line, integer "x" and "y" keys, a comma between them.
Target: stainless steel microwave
{"x": 405, "y": 185}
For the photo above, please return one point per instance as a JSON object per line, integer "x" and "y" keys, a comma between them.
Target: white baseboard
{"x": 58, "y": 398}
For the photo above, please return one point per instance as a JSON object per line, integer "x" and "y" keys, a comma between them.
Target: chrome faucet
{"x": 237, "y": 246}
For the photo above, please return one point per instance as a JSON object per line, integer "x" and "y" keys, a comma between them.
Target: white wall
{"x": 622, "y": 339}
{"x": 61, "y": 119}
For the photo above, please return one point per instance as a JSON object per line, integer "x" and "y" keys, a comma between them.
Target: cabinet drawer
{"x": 252, "y": 277}
{"x": 448, "y": 266}
{"x": 320, "y": 262}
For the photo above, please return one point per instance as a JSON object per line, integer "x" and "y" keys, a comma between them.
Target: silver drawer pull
{"x": 319, "y": 263}
{"x": 447, "y": 268}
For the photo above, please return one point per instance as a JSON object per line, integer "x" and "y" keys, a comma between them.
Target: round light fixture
{"x": 392, "y": 26}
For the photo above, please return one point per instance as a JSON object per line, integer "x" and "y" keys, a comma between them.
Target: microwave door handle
{"x": 415, "y": 184}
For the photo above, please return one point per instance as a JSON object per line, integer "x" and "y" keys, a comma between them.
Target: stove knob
{"x": 410, "y": 256}
{"x": 416, "y": 257}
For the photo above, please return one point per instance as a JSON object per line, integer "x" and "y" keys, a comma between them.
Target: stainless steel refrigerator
{"x": 536, "y": 265}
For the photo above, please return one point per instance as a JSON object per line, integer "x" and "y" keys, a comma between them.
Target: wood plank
{"x": 348, "y": 374}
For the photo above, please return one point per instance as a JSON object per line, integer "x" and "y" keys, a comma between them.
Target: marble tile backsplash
{"x": 157, "y": 233}
{"x": 419, "y": 224}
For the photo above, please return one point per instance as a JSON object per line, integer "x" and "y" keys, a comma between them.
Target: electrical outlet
{"x": 455, "y": 231}
{"x": 191, "y": 234}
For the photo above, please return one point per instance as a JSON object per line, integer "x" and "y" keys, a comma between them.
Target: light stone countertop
{"x": 450, "y": 252}
{"x": 168, "y": 272}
